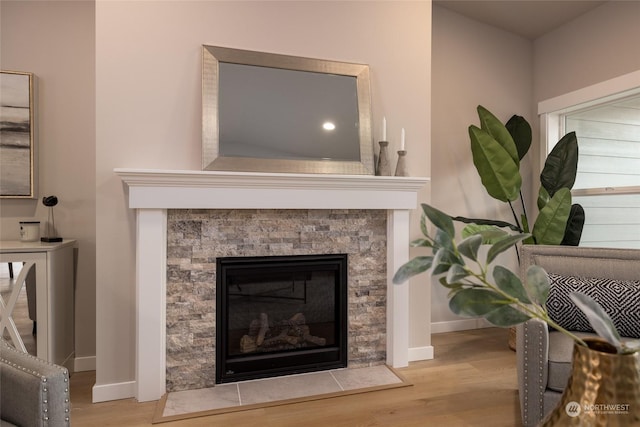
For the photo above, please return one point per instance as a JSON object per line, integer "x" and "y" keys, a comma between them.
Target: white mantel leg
{"x": 151, "y": 284}
{"x": 397, "y": 295}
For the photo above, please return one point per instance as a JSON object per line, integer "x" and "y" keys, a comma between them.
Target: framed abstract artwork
{"x": 17, "y": 139}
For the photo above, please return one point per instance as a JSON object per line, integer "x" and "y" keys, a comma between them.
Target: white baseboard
{"x": 116, "y": 391}
{"x": 82, "y": 364}
{"x": 420, "y": 353}
{"x": 459, "y": 325}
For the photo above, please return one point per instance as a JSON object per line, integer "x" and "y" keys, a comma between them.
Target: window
{"x": 608, "y": 180}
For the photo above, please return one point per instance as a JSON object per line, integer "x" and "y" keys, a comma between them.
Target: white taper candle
{"x": 384, "y": 129}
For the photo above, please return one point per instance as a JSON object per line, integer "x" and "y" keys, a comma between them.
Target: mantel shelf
{"x": 185, "y": 189}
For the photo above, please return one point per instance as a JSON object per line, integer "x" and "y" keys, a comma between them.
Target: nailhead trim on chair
{"x": 526, "y": 375}
{"x": 540, "y": 370}
{"x": 45, "y": 396}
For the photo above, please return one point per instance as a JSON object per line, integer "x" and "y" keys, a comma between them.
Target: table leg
{"x": 6, "y": 311}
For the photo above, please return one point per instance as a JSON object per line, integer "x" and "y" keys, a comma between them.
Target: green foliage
{"x": 573, "y": 232}
{"x": 478, "y": 289}
{"x": 497, "y": 150}
{"x": 499, "y": 173}
{"x": 549, "y": 228}
{"x": 561, "y": 165}
{"x": 520, "y": 130}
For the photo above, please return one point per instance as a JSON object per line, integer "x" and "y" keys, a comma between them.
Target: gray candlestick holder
{"x": 401, "y": 166}
{"x": 383, "y": 167}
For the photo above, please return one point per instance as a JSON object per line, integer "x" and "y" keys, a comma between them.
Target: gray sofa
{"x": 32, "y": 392}
{"x": 544, "y": 356}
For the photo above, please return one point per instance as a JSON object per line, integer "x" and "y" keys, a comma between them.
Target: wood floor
{"x": 471, "y": 382}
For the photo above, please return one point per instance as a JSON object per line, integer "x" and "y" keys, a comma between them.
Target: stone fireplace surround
{"x": 153, "y": 192}
{"x": 198, "y": 237}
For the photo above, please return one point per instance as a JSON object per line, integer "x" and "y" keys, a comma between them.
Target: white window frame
{"x": 552, "y": 111}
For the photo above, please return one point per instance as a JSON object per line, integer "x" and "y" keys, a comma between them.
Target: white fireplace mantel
{"x": 152, "y": 192}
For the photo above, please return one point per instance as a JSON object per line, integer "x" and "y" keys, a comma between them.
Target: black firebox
{"x": 279, "y": 315}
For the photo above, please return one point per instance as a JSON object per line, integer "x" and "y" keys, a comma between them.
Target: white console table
{"x": 54, "y": 295}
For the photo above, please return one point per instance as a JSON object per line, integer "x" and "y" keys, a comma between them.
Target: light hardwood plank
{"x": 471, "y": 382}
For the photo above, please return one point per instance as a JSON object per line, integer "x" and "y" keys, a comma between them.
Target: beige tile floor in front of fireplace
{"x": 279, "y": 388}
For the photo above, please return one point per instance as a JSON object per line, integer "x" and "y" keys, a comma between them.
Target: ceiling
{"x": 527, "y": 18}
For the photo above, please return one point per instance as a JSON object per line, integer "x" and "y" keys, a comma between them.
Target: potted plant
{"x": 479, "y": 288}
{"x": 497, "y": 150}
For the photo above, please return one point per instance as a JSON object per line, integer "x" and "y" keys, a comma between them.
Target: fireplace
{"x": 154, "y": 194}
{"x": 280, "y": 315}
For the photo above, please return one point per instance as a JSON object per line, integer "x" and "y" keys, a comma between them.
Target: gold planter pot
{"x": 603, "y": 389}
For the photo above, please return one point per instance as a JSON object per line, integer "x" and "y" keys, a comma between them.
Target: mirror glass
{"x": 276, "y": 113}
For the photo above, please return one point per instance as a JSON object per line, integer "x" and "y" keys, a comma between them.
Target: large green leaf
{"x": 543, "y": 198}
{"x": 510, "y": 284}
{"x": 499, "y": 173}
{"x": 455, "y": 286}
{"x": 520, "y": 131}
{"x": 561, "y": 165}
{"x": 552, "y": 220}
{"x": 494, "y": 127}
{"x": 474, "y": 302}
{"x": 489, "y": 233}
{"x": 443, "y": 240}
{"x": 424, "y": 226}
{"x": 503, "y": 244}
{"x": 456, "y": 273}
{"x": 575, "y": 224}
{"x": 440, "y": 219}
{"x": 537, "y": 284}
{"x": 443, "y": 260}
{"x": 422, "y": 243}
{"x": 598, "y": 318}
{"x": 483, "y": 222}
{"x": 415, "y": 266}
{"x": 469, "y": 246}
{"x": 506, "y": 316}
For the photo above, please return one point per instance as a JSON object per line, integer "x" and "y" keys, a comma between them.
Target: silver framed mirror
{"x": 265, "y": 112}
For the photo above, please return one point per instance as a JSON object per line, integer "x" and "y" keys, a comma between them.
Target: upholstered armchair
{"x": 33, "y": 392}
{"x": 610, "y": 276}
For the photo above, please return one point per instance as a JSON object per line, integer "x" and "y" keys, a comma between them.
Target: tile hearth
{"x": 235, "y": 396}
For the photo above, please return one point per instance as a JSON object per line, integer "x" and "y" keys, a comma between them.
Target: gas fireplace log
{"x": 264, "y": 327}
{"x": 283, "y": 338}
{"x": 297, "y": 319}
{"x": 292, "y": 332}
{"x": 312, "y": 338}
{"x": 254, "y": 328}
{"x": 315, "y": 340}
{"x": 248, "y": 344}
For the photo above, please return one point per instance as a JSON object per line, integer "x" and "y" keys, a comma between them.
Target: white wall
{"x": 148, "y": 114}
{"x": 473, "y": 64}
{"x": 55, "y": 41}
{"x": 595, "y": 47}
{"x": 477, "y": 64}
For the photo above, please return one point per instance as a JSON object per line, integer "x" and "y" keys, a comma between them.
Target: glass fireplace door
{"x": 280, "y": 315}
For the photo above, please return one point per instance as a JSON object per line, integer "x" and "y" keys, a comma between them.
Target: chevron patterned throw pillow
{"x": 619, "y": 298}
